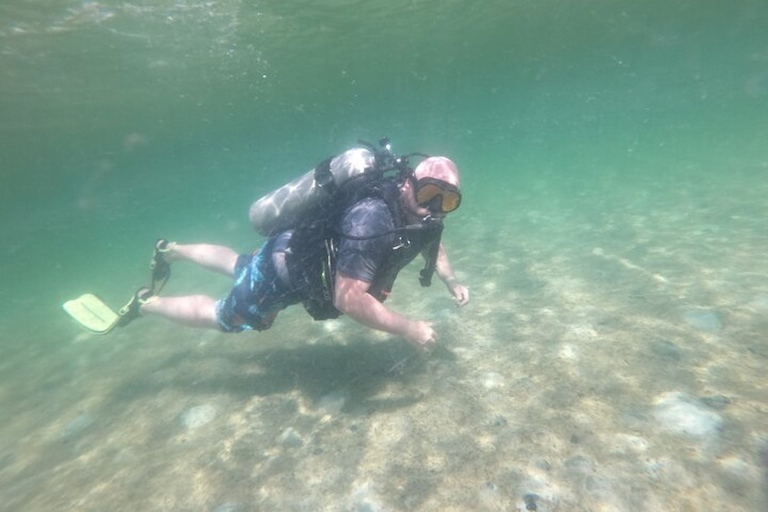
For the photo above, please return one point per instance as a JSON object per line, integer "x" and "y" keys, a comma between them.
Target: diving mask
{"x": 437, "y": 196}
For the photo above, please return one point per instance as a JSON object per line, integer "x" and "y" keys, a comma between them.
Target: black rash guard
{"x": 376, "y": 258}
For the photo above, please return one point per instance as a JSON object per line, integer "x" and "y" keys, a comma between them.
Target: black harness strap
{"x": 425, "y": 275}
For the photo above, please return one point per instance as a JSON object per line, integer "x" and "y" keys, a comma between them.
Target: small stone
{"x": 717, "y": 402}
{"x": 492, "y": 380}
{"x": 364, "y": 499}
{"x": 703, "y": 319}
{"x": 628, "y": 443}
{"x": 332, "y": 403}
{"x": 682, "y": 414}
{"x": 665, "y": 350}
{"x": 229, "y": 507}
{"x": 499, "y": 421}
{"x": 76, "y": 426}
{"x": 198, "y": 416}
{"x": 578, "y": 463}
{"x": 530, "y": 501}
{"x": 490, "y": 496}
{"x": 290, "y": 437}
{"x": 596, "y": 485}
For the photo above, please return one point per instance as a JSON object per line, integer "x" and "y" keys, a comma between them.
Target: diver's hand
{"x": 421, "y": 335}
{"x": 460, "y": 294}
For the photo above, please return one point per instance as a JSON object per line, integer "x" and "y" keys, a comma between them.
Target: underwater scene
{"x": 613, "y": 235}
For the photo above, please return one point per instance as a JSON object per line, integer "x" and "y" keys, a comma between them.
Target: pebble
{"x": 579, "y": 463}
{"x": 665, "y": 350}
{"x": 718, "y": 402}
{"x": 229, "y": 507}
{"x": 499, "y": 421}
{"x": 683, "y": 414}
{"x": 627, "y": 443}
{"x": 568, "y": 352}
{"x": 492, "y": 380}
{"x": 597, "y": 485}
{"x": 332, "y": 403}
{"x": 364, "y": 499}
{"x": 197, "y": 416}
{"x": 530, "y": 501}
{"x": 491, "y": 497}
{"x": 290, "y": 437}
{"x": 703, "y": 319}
{"x": 331, "y": 326}
{"x": 538, "y": 494}
{"x": 77, "y": 425}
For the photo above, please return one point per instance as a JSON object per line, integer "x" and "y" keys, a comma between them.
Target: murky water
{"x": 612, "y": 234}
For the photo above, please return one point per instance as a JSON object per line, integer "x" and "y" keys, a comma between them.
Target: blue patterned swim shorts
{"x": 258, "y": 294}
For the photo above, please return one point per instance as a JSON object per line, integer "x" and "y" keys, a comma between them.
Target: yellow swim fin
{"x": 91, "y": 313}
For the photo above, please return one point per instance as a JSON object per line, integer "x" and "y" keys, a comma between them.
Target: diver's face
{"x": 408, "y": 199}
{"x": 433, "y": 189}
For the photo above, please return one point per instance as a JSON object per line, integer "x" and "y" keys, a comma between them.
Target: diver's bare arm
{"x": 352, "y": 298}
{"x": 445, "y": 272}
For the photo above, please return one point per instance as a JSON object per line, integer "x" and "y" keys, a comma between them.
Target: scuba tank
{"x": 284, "y": 207}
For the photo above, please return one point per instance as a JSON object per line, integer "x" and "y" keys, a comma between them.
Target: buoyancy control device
{"x": 308, "y": 204}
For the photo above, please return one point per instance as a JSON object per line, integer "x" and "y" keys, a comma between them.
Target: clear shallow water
{"x": 613, "y": 237}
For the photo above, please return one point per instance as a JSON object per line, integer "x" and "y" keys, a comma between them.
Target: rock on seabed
{"x": 198, "y": 416}
{"x": 703, "y": 319}
{"x": 683, "y": 414}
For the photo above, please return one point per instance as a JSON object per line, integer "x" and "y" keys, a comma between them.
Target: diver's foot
{"x": 161, "y": 268}
{"x": 132, "y": 309}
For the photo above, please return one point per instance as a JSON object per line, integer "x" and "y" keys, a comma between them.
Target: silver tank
{"x": 279, "y": 210}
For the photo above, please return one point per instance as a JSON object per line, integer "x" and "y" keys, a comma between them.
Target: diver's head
{"x": 433, "y": 188}
{"x": 438, "y": 167}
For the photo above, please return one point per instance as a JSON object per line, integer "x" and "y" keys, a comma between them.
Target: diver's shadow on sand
{"x": 356, "y": 372}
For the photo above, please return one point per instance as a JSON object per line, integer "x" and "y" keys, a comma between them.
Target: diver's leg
{"x": 212, "y": 257}
{"x": 192, "y": 310}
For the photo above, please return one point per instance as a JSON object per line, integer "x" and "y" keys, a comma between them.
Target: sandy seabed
{"x": 612, "y": 359}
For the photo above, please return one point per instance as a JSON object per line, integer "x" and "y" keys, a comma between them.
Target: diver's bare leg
{"x": 192, "y": 310}
{"x": 218, "y": 258}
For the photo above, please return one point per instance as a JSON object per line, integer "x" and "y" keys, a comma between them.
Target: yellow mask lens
{"x": 451, "y": 201}
{"x": 437, "y": 195}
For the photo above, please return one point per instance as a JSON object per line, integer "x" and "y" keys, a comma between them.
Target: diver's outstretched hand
{"x": 421, "y": 335}
{"x": 460, "y": 294}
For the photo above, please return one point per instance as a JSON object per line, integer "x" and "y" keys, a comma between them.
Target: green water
{"x": 614, "y": 171}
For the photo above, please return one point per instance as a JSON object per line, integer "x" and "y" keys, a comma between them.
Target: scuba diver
{"x": 336, "y": 239}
